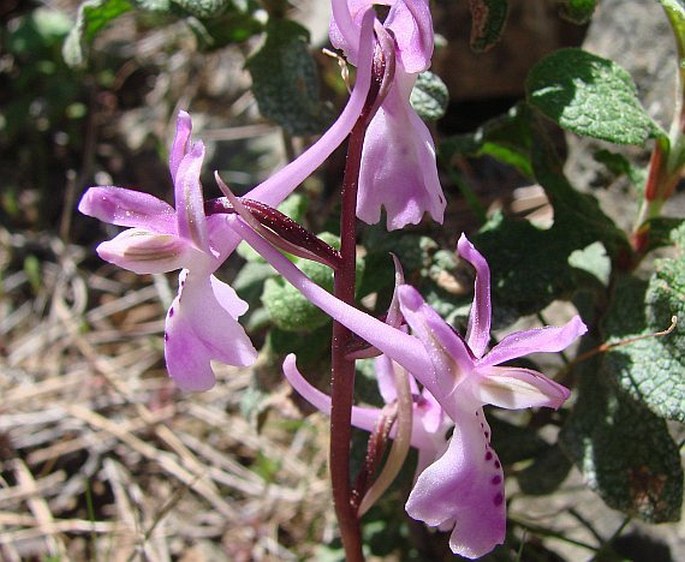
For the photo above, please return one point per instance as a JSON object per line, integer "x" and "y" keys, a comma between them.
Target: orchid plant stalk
{"x": 436, "y": 382}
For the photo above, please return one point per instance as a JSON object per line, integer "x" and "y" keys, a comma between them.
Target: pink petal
{"x": 398, "y": 169}
{"x": 403, "y": 348}
{"x": 385, "y": 377}
{"x": 478, "y": 331}
{"x": 345, "y": 24}
{"x": 547, "y": 339}
{"x": 515, "y": 388}
{"x": 142, "y": 251}
{"x": 309, "y": 392}
{"x": 276, "y": 188}
{"x": 430, "y": 412}
{"x": 126, "y": 207}
{"x": 450, "y": 358}
{"x": 189, "y": 199}
{"x": 412, "y": 25}
{"x": 464, "y": 488}
{"x": 181, "y": 143}
{"x": 201, "y": 326}
{"x": 363, "y": 418}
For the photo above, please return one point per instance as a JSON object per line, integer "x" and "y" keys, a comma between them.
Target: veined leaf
{"x": 488, "y": 18}
{"x": 92, "y": 16}
{"x": 590, "y": 96}
{"x": 577, "y": 11}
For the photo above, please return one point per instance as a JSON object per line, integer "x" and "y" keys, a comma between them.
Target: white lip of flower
{"x": 144, "y": 245}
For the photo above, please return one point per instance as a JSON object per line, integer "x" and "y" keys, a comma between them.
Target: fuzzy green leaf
{"x": 505, "y": 138}
{"x": 548, "y": 470}
{"x": 624, "y": 451}
{"x": 514, "y": 443}
{"x": 285, "y": 81}
{"x": 577, "y": 11}
{"x": 92, "y": 16}
{"x": 204, "y": 8}
{"x": 429, "y": 97}
{"x": 163, "y": 6}
{"x": 589, "y": 96}
{"x": 488, "y": 18}
{"x": 650, "y": 368}
{"x": 288, "y": 309}
{"x": 217, "y": 23}
{"x": 530, "y": 266}
{"x": 675, "y": 11}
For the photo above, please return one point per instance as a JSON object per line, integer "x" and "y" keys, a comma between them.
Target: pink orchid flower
{"x": 398, "y": 167}
{"x": 202, "y": 322}
{"x": 462, "y": 489}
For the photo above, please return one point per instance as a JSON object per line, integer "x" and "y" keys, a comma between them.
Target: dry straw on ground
{"x": 102, "y": 459}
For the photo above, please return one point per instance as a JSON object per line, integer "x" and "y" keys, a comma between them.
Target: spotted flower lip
{"x": 462, "y": 487}
{"x": 398, "y": 166}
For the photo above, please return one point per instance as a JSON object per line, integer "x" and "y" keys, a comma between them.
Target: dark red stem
{"x": 343, "y": 369}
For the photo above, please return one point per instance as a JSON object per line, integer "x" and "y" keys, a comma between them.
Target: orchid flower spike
{"x": 202, "y": 321}
{"x": 398, "y": 167}
{"x": 462, "y": 487}
{"x": 202, "y": 324}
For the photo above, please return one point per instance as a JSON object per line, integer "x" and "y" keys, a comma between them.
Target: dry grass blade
{"x": 40, "y": 509}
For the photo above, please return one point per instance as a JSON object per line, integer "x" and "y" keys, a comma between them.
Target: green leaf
{"x": 310, "y": 350}
{"x": 577, "y": 11}
{"x": 514, "y": 443}
{"x": 250, "y": 279}
{"x": 577, "y": 216}
{"x": 218, "y": 23}
{"x": 163, "y": 6}
{"x": 675, "y": 11}
{"x": 594, "y": 260}
{"x": 624, "y": 451}
{"x": 288, "y": 309}
{"x": 619, "y": 165}
{"x": 429, "y": 97}
{"x": 548, "y": 470}
{"x": 650, "y": 368}
{"x": 505, "y": 138}
{"x": 92, "y": 17}
{"x": 589, "y": 96}
{"x": 487, "y": 22}
{"x": 204, "y": 8}
{"x": 530, "y": 265}
{"x": 285, "y": 80}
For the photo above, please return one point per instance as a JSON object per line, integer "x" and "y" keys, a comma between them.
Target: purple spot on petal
{"x": 487, "y": 435}
{"x": 171, "y": 312}
{"x": 497, "y": 464}
{"x": 496, "y": 479}
{"x": 498, "y": 499}
{"x": 488, "y": 456}
{"x": 166, "y": 336}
